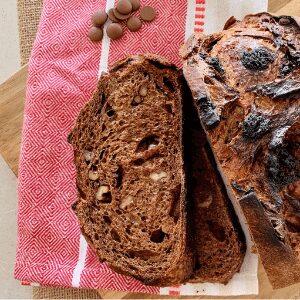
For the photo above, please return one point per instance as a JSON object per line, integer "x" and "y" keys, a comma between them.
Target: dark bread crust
{"x": 245, "y": 85}
{"x": 219, "y": 241}
{"x": 147, "y": 238}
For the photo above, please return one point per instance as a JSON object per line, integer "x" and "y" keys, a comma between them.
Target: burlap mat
{"x": 29, "y": 12}
{"x": 56, "y": 293}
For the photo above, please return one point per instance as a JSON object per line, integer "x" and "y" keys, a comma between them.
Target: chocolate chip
{"x": 95, "y": 34}
{"x": 99, "y": 18}
{"x": 114, "y": 31}
{"x": 124, "y": 7}
{"x": 208, "y": 112}
{"x": 215, "y": 63}
{"x": 282, "y": 166}
{"x": 147, "y": 13}
{"x": 112, "y": 16}
{"x": 120, "y": 16}
{"x": 134, "y": 23}
{"x": 258, "y": 59}
{"x": 255, "y": 126}
{"x": 135, "y": 4}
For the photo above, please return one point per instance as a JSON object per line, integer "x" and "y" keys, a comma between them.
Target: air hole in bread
{"x": 168, "y": 108}
{"x": 107, "y": 198}
{"x": 147, "y": 142}
{"x": 96, "y": 236}
{"x": 110, "y": 113}
{"x": 115, "y": 236}
{"x": 101, "y": 154}
{"x": 103, "y": 127}
{"x": 139, "y": 162}
{"x": 174, "y": 210}
{"x": 168, "y": 84}
{"x": 103, "y": 98}
{"x": 217, "y": 231}
{"x": 142, "y": 254}
{"x": 92, "y": 220}
{"x": 119, "y": 176}
{"x": 107, "y": 220}
{"x": 157, "y": 236}
{"x": 109, "y": 110}
{"x": 93, "y": 168}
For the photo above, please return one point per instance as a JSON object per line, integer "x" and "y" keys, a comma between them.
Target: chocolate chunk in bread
{"x": 130, "y": 172}
{"x": 218, "y": 237}
{"x": 256, "y": 137}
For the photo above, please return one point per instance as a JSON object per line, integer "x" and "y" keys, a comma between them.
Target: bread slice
{"x": 245, "y": 82}
{"x": 218, "y": 237}
{"x": 130, "y": 172}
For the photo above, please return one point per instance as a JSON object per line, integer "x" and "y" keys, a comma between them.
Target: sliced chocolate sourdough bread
{"x": 245, "y": 82}
{"x": 218, "y": 237}
{"x": 130, "y": 172}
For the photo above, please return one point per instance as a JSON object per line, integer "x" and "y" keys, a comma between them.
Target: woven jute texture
{"x": 29, "y": 12}
{"x": 56, "y": 293}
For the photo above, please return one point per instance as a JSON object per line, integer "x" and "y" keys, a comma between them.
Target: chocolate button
{"x": 112, "y": 16}
{"x": 147, "y": 13}
{"x": 135, "y": 4}
{"x": 114, "y": 31}
{"x": 95, "y": 34}
{"x": 124, "y": 7}
{"x": 99, "y": 17}
{"x": 119, "y": 16}
{"x": 134, "y": 23}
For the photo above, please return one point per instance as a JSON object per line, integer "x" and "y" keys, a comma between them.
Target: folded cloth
{"x": 63, "y": 72}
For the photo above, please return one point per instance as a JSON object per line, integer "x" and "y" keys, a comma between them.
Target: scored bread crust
{"x": 245, "y": 83}
{"x": 133, "y": 212}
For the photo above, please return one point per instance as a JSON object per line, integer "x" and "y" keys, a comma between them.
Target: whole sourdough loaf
{"x": 130, "y": 173}
{"x": 245, "y": 82}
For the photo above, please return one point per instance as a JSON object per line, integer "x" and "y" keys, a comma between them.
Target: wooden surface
{"x": 12, "y": 94}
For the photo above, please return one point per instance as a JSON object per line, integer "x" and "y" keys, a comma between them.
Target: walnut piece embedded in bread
{"x": 245, "y": 82}
{"x": 130, "y": 172}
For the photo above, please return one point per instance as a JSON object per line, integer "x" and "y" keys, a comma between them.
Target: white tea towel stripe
{"x": 105, "y": 42}
{"x": 80, "y": 264}
{"x": 190, "y": 18}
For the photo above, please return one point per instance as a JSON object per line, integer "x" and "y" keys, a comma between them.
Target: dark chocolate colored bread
{"x": 245, "y": 82}
{"x": 130, "y": 172}
{"x": 218, "y": 237}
